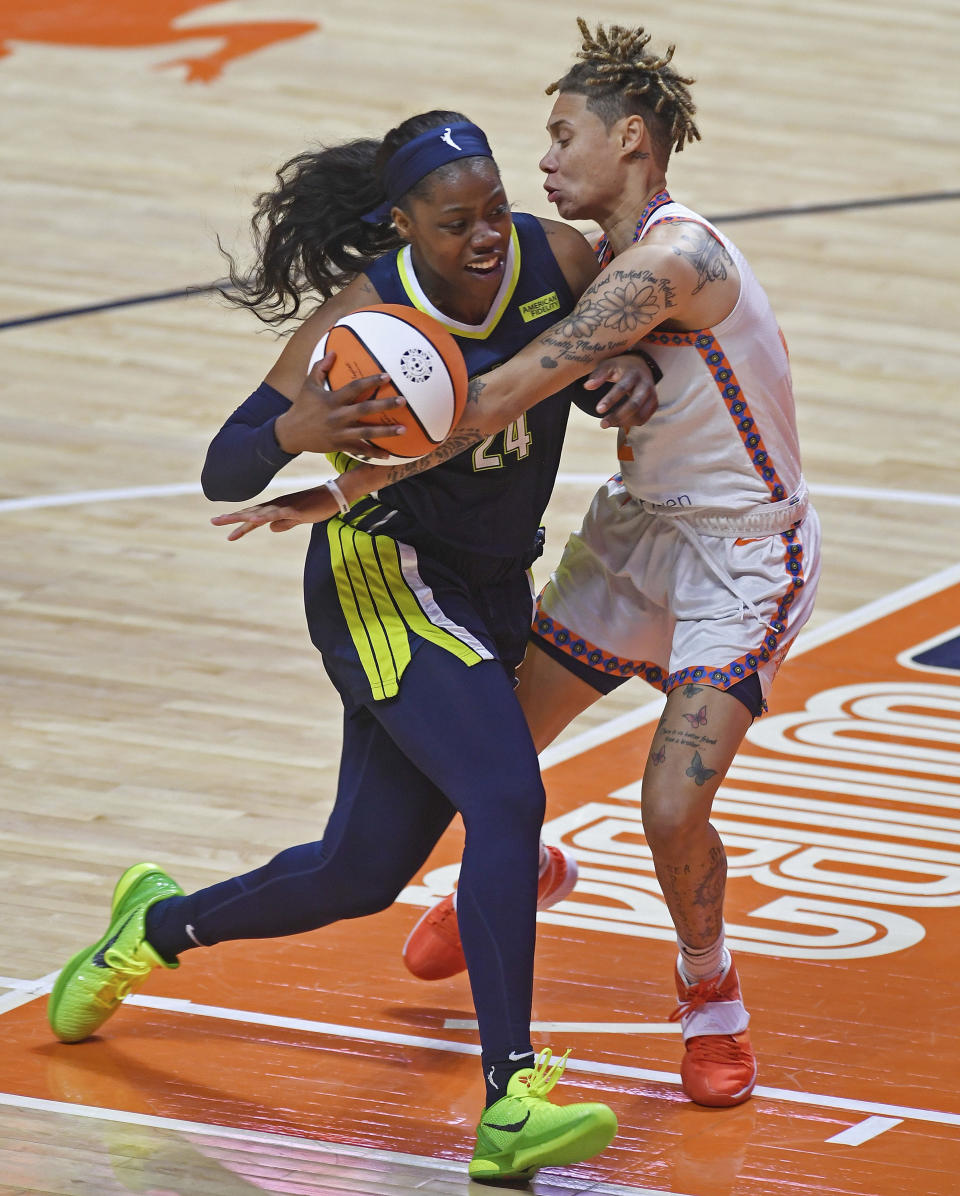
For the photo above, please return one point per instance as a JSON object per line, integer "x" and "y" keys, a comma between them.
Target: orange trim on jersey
{"x": 716, "y": 361}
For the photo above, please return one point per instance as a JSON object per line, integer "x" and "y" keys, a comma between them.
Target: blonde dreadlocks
{"x": 618, "y": 76}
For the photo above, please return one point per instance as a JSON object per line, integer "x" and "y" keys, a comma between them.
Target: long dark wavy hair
{"x": 307, "y": 233}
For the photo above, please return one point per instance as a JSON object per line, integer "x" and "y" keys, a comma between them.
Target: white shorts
{"x": 638, "y": 594}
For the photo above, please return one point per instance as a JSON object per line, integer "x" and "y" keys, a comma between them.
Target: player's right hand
{"x": 320, "y": 420}
{"x": 631, "y": 399}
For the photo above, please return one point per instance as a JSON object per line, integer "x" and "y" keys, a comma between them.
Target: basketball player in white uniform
{"x": 697, "y": 564}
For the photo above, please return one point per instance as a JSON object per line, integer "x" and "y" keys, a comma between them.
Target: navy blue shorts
{"x": 372, "y": 600}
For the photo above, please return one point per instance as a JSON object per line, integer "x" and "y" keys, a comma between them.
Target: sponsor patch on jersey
{"x": 540, "y": 307}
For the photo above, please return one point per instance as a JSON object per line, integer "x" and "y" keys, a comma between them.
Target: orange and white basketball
{"x": 425, "y": 366}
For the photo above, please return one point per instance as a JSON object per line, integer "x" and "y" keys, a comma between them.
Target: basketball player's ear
{"x": 402, "y": 223}
{"x": 633, "y": 132}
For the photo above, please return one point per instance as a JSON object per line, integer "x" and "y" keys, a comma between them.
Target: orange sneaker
{"x": 433, "y": 950}
{"x": 719, "y": 1067}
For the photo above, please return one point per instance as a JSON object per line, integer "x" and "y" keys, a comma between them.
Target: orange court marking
{"x": 118, "y": 24}
{"x": 841, "y": 818}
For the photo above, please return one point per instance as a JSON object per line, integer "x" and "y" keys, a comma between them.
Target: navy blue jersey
{"x": 490, "y": 498}
{"x": 439, "y": 557}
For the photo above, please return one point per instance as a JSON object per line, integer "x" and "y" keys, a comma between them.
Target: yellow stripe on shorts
{"x": 379, "y": 634}
{"x": 381, "y": 608}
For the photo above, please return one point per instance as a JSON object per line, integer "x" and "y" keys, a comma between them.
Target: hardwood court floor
{"x": 839, "y": 818}
{"x": 160, "y": 697}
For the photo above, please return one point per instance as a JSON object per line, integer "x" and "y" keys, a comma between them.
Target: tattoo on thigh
{"x": 696, "y": 770}
{"x": 686, "y": 736}
{"x": 659, "y": 756}
{"x": 699, "y": 719}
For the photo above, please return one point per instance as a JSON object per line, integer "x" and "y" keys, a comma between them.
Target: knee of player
{"x": 374, "y": 901}
{"x": 355, "y": 893}
{"x": 668, "y": 825}
{"x": 507, "y": 805}
{"x": 522, "y": 803}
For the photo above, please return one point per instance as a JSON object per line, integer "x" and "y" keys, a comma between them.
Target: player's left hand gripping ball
{"x": 425, "y": 366}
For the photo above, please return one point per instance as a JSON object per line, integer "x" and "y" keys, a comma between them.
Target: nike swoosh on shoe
{"x": 99, "y": 960}
{"x": 515, "y": 1128}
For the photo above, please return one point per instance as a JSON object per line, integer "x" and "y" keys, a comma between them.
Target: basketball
{"x": 425, "y": 366}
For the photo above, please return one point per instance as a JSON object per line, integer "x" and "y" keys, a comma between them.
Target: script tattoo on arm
{"x": 457, "y": 442}
{"x": 610, "y": 316}
{"x": 705, "y": 253}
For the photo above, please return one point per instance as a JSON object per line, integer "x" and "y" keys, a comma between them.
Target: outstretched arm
{"x": 680, "y": 273}
{"x": 631, "y": 297}
{"x": 628, "y": 299}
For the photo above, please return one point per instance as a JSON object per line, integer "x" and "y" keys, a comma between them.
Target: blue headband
{"x": 424, "y": 154}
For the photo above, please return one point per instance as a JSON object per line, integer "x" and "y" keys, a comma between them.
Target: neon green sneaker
{"x": 97, "y": 979}
{"x": 524, "y": 1131}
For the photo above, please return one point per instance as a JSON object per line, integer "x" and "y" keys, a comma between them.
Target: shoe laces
{"x": 542, "y": 1077}
{"x": 444, "y": 923}
{"x": 697, "y": 996}
{"x": 718, "y": 1048}
{"x": 443, "y": 915}
{"x": 129, "y": 970}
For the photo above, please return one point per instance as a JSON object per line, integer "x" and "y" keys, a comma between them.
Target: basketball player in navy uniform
{"x": 418, "y": 599}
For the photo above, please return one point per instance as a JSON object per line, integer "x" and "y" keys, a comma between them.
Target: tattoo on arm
{"x": 608, "y": 317}
{"x": 706, "y": 254}
{"x": 457, "y": 442}
{"x": 475, "y": 389}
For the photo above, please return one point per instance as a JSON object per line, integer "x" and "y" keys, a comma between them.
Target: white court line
{"x": 871, "y": 611}
{"x": 590, "y": 1066}
{"x": 461, "y": 1023}
{"x": 129, "y": 493}
{"x": 556, "y": 753}
{"x": 24, "y": 991}
{"x": 873, "y": 1127}
{"x": 335, "y": 1150}
{"x": 126, "y": 494}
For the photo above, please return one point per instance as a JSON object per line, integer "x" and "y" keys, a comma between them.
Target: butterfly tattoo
{"x": 691, "y": 691}
{"x": 658, "y": 757}
{"x": 699, "y": 719}
{"x": 696, "y": 770}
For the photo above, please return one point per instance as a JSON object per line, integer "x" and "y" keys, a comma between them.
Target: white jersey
{"x": 722, "y": 447}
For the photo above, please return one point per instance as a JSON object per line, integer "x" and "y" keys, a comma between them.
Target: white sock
{"x": 701, "y": 963}
{"x": 544, "y": 858}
